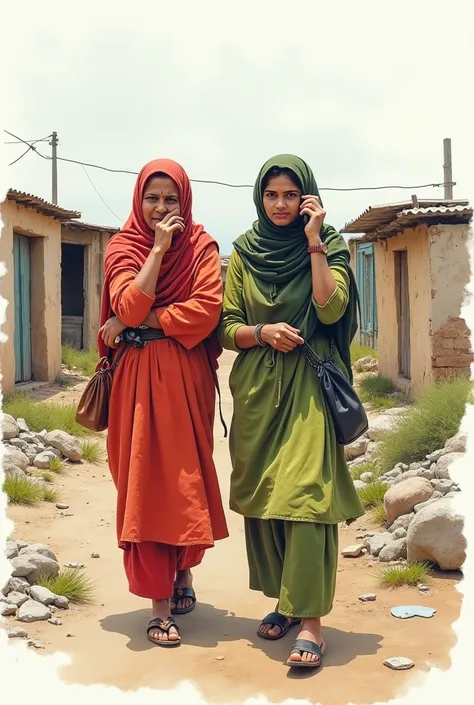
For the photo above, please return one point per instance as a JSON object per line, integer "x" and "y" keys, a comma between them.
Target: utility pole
{"x": 448, "y": 170}
{"x": 54, "y": 145}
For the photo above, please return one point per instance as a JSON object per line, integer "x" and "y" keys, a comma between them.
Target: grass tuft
{"x": 84, "y": 361}
{"x": 373, "y": 494}
{"x": 360, "y": 351}
{"x": 358, "y": 470}
{"x": 46, "y": 475}
{"x": 378, "y": 514}
{"x": 409, "y": 574}
{"x": 57, "y": 466}
{"x": 39, "y": 415}
{"x": 71, "y": 583}
{"x": 92, "y": 452}
{"x": 380, "y": 393}
{"x": 64, "y": 381}
{"x": 433, "y": 419}
{"x": 50, "y": 494}
{"x": 20, "y": 490}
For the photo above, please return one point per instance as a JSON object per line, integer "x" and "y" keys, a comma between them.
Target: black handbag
{"x": 348, "y": 414}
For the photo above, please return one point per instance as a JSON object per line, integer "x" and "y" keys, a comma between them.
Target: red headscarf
{"x": 130, "y": 247}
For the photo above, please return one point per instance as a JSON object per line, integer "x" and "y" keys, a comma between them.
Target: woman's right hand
{"x": 281, "y": 336}
{"x": 165, "y": 230}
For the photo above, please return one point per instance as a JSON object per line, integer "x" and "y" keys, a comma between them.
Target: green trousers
{"x": 294, "y": 562}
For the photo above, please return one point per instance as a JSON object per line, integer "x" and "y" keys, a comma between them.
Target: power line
{"x": 228, "y": 185}
{"x": 121, "y": 220}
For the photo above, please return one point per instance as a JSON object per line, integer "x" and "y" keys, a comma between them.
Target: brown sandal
{"x": 164, "y": 626}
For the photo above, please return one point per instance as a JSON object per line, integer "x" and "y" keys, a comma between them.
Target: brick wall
{"x": 451, "y": 349}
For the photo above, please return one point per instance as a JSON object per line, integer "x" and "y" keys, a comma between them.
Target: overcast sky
{"x": 364, "y": 91}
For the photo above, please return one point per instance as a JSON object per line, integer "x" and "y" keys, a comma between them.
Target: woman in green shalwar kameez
{"x": 289, "y": 281}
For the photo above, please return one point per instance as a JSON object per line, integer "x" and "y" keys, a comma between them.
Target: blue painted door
{"x": 365, "y": 270}
{"x": 22, "y": 294}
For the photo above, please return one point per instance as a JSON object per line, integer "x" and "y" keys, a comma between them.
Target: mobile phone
{"x": 305, "y": 217}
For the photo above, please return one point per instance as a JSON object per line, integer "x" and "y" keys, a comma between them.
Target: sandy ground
{"x": 221, "y": 653}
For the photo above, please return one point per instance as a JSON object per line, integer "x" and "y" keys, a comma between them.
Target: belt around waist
{"x": 139, "y": 337}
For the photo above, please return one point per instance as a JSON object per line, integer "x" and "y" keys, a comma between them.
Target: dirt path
{"x": 221, "y": 653}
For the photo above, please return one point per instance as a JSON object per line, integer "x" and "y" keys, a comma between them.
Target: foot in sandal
{"x": 309, "y": 647}
{"x": 184, "y": 597}
{"x": 276, "y": 625}
{"x": 162, "y": 629}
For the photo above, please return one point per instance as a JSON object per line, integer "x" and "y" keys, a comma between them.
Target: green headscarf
{"x": 278, "y": 255}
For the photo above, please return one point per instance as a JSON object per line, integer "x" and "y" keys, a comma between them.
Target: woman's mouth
{"x": 281, "y": 215}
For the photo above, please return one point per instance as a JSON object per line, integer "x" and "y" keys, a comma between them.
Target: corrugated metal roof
{"x": 30, "y": 201}
{"x": 375, "y": 217}
{"x": 443, "y": 210}
{"x": 80, "y": 225}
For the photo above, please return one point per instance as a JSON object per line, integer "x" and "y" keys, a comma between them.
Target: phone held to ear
{"x": 305, "y": 217}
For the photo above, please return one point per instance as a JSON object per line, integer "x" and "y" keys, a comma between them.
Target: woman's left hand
{"x": 110, "y": 330}
{"x": 311, "y": 206}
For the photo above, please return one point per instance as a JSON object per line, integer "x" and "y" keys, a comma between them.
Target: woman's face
{"x": 282, "y": 200}
{"x": 160, "y": 197}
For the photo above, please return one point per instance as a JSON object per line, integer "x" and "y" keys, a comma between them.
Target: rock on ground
{"x": 436, "y": 534}
{"x": 403, "y": 522}
{"x": 399, "y": 663}
{"x": 40, "y": 548}
{"x": 352, "y": 551}
{"x": 376, "y": 543}
{"x": 43, "y": 567}
{"x": 68, "y": 445}
{"x": 442, "y": 466}
{"x": 7, "y": 610}
{"x": 32, "y": 611}
{"x": 366, "y": 364}
{"x": 17, "y": 633}
{"x": 356, "y": 449}
{"x": 394, "y": 551}
{"x": 16, "y": 598}
{"x": 21, "y": 567}
{"x": 42, "y": 595}
{"x": 15, "y": 458}
{"x": 378, "y": 425}
{"x": 43, "y": 460}
{"x": 16, "y": 585}
{"x": 9, "y": 427}
{"x": 400, "y": 499}
{"x": 457, "y": 444}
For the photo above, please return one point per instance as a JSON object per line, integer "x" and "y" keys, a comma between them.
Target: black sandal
{"x": 164, "y": 626}
{"x": 310, "y": 647}
{"x": 183, "y": 594}
{"x": 278, "y": 620}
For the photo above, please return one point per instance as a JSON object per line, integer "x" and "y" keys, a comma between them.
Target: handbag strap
{"x": 313, "y": 358}
{"x": 113, "y": 366}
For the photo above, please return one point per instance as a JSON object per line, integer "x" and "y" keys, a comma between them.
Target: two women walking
{"x": 288, "y": 282}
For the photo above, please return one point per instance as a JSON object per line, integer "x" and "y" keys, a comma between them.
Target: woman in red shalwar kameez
{"x": 163, "y": 271}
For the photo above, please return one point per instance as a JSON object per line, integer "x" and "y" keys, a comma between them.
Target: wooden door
{"x": 403, "y": 313}
{"x": 22, "y": 300}
{"x": 365, "y": 269}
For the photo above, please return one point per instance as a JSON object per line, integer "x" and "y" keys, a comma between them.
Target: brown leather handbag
{"x": 93, "y": 408}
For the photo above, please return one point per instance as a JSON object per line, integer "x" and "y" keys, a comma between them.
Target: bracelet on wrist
{"x": 258, "y": 335}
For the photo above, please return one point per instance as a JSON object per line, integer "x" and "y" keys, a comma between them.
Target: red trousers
{"x": 151, "y": 567}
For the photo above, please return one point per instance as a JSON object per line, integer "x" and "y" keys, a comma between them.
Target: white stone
{"x": 21, "y": 567}
{"x": 399, "y": 663}
{"x": 368, "y": 597}
{"x": 16, "y": 585}
{"x": 442, "y": 486}
{"x": 359, "y": 485}
{"x": 352, "y": 551}
{"x": 43, "y": 595}
{"x": 43, "y": 567}
{"x": 399, "y": 533}
{"x": 14, "y": 458}
{"x": 7, "y": 610}
{"x": 401, "y": 498}
{"x": 61, "y": 602}
{"x": 17, "y": 633}
{"x": 9, "y": 427}
{"x": 68, "y": 445}
{"x": 11, "y": 550}
{"x": 436, "y": 534}
{"x": 444, "y": 463}
{"x": 379, "y": 425}
{"x": 43, "y": 460}
{"x": 22, "y": 425}
{"x": 367, "y": 476}
{"x": 378, "y": 542}
{"x": 366, "y": 364}
{"x": 16, "y": 598}
{"x": 40, "y": 548}
{"x": 32, "y": 611}
{"x": 457, "y": 444}
{"x": 356, "y": 449}
{"x": 403, "y": 521}
{"x": 394, "y": 551}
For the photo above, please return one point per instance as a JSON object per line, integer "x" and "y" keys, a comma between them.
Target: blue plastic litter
{"x": 407, "y": 611}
